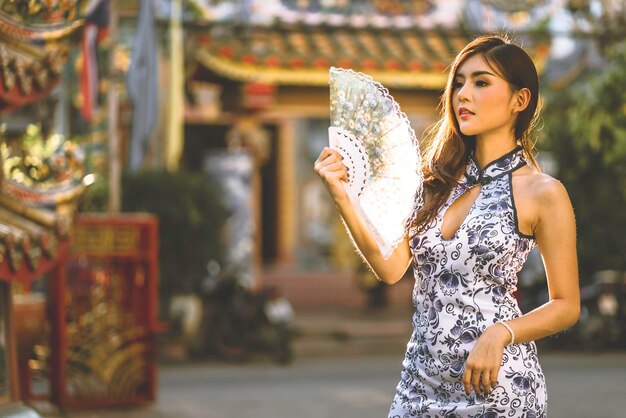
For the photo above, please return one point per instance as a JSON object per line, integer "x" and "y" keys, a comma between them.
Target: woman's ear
{"x": 522, "y": 98}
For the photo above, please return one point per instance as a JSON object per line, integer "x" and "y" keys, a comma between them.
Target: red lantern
{"x": 439, "y": 66}
{"x": 272, "y": 61}
{"x": 257, "y": 96}
{"x": 321, "y": 63}
{"x": 392, "y": 65}
{"x": 369, "y": 64}
{"x": 416, "y": 66}
{"x": 248, "y": 59}
{"x": 297, "y": 63}
{"x": 344, "y": 63}
{"x": 226, "y": 51}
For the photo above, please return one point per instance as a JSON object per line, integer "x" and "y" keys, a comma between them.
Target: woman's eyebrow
{"x": 476, "y": 74}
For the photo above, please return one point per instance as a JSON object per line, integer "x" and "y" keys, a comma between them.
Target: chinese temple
{"x": 258, "y": 78}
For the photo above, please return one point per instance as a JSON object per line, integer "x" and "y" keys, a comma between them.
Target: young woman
{"x": 487, "y": 204}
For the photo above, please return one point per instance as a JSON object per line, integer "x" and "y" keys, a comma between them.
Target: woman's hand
{"x": 332, "y": 171}
{"x": 483, "y": 364}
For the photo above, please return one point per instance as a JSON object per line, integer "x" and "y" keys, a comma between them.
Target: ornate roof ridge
{"x": 12, "y": 29}
{"x": 289, "y": 54}
{"x": 314, "y": 21}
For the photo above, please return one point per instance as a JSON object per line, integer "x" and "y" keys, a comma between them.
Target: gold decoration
{"x": 40, "y": 75}
{"x": 11, "y": 246}
{"x": 7, "y": 73}
{"x": 105, "y": 240}
{"x": 56, "y": 221}
{"x": 42, "y": 237}
{"x": 44, "y": 163}
{"x": 25, "y": 79}
{"x": 107, "y": 353}
{"x": 19, "y": 244}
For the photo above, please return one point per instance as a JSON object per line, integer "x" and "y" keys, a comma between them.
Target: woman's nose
{"x": 463, "y": 93}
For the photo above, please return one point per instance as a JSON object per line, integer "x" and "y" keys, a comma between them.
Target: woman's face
{"x": 483, "y": 102}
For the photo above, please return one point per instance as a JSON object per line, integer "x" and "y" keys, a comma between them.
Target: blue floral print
{"x": 462, "y": 286}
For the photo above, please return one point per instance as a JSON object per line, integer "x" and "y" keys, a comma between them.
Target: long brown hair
{"x": 446, "y": 150}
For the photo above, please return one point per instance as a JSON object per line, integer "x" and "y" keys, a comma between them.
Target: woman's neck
{"x": 491, "y": 148}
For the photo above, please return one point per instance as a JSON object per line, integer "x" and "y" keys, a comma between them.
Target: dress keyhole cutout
{"x": 456, "y": 213}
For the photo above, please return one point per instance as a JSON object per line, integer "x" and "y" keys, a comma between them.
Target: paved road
{"x": 580, "y": 386}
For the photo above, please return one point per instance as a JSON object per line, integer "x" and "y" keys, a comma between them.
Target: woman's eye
{"x": 457, "y": 85}
{"x": 481, "y": 83}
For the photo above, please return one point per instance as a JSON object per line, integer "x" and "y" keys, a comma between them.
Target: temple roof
{"x": 300, "y": 54}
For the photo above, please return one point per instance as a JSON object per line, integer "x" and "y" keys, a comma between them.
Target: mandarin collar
{"x": 508, "y": 162}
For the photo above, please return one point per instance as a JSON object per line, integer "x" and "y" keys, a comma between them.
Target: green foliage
{"x": 191, "y": 216}
{"x": 585, "y": 128}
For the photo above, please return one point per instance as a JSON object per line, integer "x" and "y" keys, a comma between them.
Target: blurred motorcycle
{"x": 239, "y": 322}
{"x": 603, "y": 311}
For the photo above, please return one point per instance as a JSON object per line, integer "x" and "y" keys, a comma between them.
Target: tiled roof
{"x": 301, "y": 54}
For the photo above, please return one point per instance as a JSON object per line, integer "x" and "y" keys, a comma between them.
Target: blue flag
{"x": 142, "y": 84}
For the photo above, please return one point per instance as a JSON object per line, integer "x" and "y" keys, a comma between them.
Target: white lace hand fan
{"x": 381, "y": 153}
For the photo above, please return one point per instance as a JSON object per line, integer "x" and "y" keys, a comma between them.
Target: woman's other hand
{"x": 330, "y": 168}
{"x": 483, "y": 364}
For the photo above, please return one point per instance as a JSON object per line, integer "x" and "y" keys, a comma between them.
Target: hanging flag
{"x": 95, "y": 29}
{"x": 142, "y": 84}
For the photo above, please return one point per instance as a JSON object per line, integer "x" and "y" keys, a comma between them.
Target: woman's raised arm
{"x": 332, "y": 172}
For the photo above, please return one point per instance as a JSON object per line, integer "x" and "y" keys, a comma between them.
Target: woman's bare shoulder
{"x": 540, "y": 187}
{"x": 544, "y": 188}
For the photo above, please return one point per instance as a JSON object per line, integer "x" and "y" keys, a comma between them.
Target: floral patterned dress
{"x": 462, "y": 286}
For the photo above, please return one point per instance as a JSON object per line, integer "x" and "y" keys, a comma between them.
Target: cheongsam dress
{"x": 462, "y": 286}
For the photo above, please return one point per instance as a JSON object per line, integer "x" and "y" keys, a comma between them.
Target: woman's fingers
{"x": 483, "y": 381}
{"x": 325, "y": 153}
{"x": 494, "y": 376}
{"x": 332, "y": 171}
{"x": 331, "y": 162}
{"x": 477, "y": 380}
{"x": 483, "y": 364}
{"x": 486, "y": 382}
{"x": 476, "y": 374}
{"x": 330, "y": 168}
{"x": 328, "y": 155}
{"x": 467, "y": 379}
